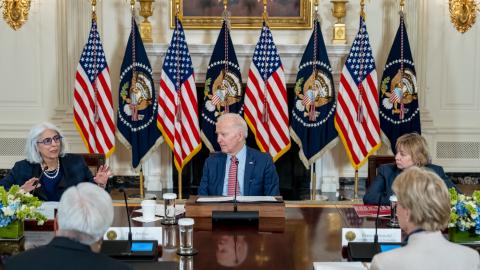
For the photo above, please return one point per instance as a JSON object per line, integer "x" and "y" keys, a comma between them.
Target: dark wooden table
{"x": 308, "y": 234}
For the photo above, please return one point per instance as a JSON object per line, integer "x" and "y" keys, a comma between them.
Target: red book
{"x": 371, "y": 210}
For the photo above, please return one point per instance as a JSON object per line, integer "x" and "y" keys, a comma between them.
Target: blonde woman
{"x": 423, "y": 211}
{"x": 412, "y": 150}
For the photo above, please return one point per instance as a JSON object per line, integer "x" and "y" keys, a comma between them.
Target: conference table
{"x": 310, "y": 232}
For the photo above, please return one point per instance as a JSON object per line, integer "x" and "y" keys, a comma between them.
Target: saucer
{"x": 140, "y": 219}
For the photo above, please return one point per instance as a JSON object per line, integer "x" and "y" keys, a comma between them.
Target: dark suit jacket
{"x": 63, "y": 253}
{"x": 382, "y": 184}
{"x": 260, "y": 178}
{"x": 73, "y": 167}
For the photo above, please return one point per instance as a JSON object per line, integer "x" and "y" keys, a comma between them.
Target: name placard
{"x": 48, "y": 209}
{"x": 367, "y": 235}
{"x": 138, "y": 233}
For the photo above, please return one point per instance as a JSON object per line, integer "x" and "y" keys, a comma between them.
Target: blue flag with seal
{"x": 399, "y": 111}
{"x": 137, "y": 105}
{"x": 312, "y": 125}
{"x": 223, "y": 87}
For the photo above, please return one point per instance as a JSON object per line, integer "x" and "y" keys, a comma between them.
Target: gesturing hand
{"x": 101, "y": 178}
{"x": 31, "y": 184}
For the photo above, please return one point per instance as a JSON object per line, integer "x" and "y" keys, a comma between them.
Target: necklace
{"x": 53, "y": 174}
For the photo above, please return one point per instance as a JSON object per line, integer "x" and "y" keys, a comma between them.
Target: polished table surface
{"x": 309, "y": 233}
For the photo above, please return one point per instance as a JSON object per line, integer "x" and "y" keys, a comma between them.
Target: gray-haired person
{"x": 84, "y": 214}
{"x": 47, "y": 169}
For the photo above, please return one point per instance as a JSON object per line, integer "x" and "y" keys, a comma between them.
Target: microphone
{"x": 375, "y": 237}
{"x": 234, "y": 218}
{"x": 236, "y": 185}
{"x": 42, "y": 170}
{"x": 128, "y": 218}
{"x": 129, "y": 250}
{"x": 364, "y": 251}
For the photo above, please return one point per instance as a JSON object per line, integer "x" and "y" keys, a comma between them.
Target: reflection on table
{"x": 309, "y": 233}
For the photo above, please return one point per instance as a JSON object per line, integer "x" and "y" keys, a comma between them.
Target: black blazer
{"x": 382, "y": 184}
{"x": 63, "y": 253}
{"x": 260, "y": 177}
{"x": 73, "y": 167}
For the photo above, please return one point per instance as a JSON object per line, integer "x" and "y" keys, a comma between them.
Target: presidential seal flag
{"x": 313, "y": 109}
{"x": 92, "y": 97}
{"x": 266, "y": 109}
{"x": 223, "y": 87}
{"x": 356, "y": 118}
{"x": 399, "y": 111}
{"x": 177, "y": 101}
{"x": 137, "y": 106}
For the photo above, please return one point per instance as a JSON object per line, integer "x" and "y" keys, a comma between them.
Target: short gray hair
{"x": 31, "y": 145}
{"x": 236, "y": 120}
{"x": 87, "y": 209}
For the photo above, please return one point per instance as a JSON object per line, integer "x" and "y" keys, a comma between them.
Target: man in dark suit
{"x": 253, "y": 169}
{"x": 85, "y": 212}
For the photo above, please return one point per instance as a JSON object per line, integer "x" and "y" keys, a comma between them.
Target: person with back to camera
{"x": 411, "y": 150}
{"x": 47, "y": 170}
{"x": 85, "y": 213}
{"x": 255, "y": 170}
{"x": 423, "y": 211}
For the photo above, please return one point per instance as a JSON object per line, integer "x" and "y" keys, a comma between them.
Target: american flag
{"x": 92, "y": 105}
{"x": 356, "y": 119}
{"x": 177, "y": 100}
{"x": 266, "y": 110}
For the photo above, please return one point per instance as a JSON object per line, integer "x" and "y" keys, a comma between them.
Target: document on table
{"x": 239, "y": 199}
{"x": 340, "y": 266}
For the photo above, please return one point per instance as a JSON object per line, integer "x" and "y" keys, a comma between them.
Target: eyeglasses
{"x": 48, "y": 141}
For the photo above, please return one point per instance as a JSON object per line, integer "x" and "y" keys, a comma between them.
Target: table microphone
{"x": 235, "y": 217}
{"x": 364, "y": 251}
{"x": 128, "y": 218}
{"x": 138, "y": 250}
{"x": 42, "y": 170}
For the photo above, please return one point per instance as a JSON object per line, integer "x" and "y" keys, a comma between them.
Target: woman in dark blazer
{"x": 47, "y": 171}
{"x": 412, "y": 150}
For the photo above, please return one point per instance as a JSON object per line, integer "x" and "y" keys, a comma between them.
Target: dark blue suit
{"x": 63, "y": 253}
{"x": 73, "y": 167}
{"x": 382, "y": 184}
{"x": 260, "y": 177}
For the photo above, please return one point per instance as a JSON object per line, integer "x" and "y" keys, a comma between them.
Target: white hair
{"x": 237, "y": 121}
{"x": 86, "y": 209}
{"x": 31, "y": 144}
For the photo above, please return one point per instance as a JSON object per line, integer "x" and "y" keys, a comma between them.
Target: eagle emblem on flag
{"x": 136, "y": 95}
{"x": 312, "y": 93}
{"x": 403, "y": 90}
{"x": 226, "y": 90}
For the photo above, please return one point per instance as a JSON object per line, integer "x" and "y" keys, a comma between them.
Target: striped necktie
{"x": 232, "y": 177}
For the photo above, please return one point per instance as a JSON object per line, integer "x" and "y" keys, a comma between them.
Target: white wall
{"x": 38, "y": 62}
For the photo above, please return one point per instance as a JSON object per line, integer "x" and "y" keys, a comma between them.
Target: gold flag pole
{"x": 265, "y": 14}
{"x": 142, "y": 193}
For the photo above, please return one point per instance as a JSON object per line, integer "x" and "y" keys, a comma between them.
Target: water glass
{"x": 169, "y": 237}
{"x": 169, "y": 208}
{"x": 393, "y": 212}
{"x": 185, "y": 228}
{"x": 185, "y": 263}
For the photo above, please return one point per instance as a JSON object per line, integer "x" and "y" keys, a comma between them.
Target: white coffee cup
{"x": 148, "y": 209}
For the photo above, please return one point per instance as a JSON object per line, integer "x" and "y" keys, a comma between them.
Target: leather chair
{"x": 94, "y": 161}
{"x": 374, "y": 162}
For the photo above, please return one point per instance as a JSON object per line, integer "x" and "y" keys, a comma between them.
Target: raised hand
{"x": 103, "y": 173}
{"x": 31, "y": 184}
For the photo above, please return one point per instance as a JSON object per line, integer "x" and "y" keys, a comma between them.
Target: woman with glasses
{"x": 47, "y": 170}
